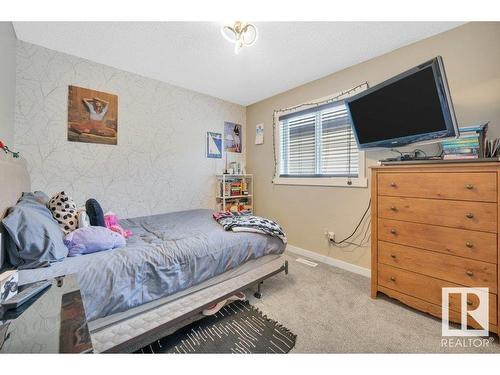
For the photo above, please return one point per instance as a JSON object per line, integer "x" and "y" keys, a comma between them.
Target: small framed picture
{"x": 259, "y": 134}
{"x": 232, "y": 137}
{"x": 214, "y": 145}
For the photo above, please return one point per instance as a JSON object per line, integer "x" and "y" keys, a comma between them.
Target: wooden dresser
{"x": 435, "y": 226}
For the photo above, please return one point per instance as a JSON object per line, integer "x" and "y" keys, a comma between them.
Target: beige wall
{"x": 471, "y": 55}
{"x": 7, "y": 82}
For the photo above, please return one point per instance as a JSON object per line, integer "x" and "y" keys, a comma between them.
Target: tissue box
{"x": 8, "y": 285}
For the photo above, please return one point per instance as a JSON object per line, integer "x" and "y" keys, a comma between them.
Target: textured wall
{"x": 159, "y": 164}
{"x": 7, "y": 81}
{"x": 471, "y": 56}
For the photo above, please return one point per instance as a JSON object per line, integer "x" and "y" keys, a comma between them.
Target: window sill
{"x": 358, "y": 182}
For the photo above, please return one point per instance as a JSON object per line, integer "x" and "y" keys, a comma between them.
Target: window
{"x": 317, "y": 147}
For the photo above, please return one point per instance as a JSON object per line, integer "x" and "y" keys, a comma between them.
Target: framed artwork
{"x": 214, "y": 145}
{"x": 232, "y": 137}
{"x": 259, "y": 134}
{"x": 92, "y": 116}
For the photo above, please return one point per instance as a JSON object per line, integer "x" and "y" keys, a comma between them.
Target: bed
{"x": 167, "y": 254}
{"x": 173, "y": 266}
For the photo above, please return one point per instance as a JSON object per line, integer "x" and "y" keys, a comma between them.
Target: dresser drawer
{"x": 451, "y": 241}
{"x": 428, "y": 289}
{"x": 459, "y": 270}
{"x": 480, "y": 187}
{"x": 433, "y": 309}
{"x": 457, "y": 214}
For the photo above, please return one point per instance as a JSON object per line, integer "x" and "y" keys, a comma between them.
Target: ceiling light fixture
{"x": 242, "y": 34}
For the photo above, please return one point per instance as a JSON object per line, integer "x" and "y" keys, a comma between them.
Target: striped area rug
{"x": 237, "y": 328}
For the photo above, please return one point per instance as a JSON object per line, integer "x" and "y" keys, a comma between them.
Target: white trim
{"x": 322, "y": 181}
{"x": 330, "y": 261}
{"x": 360, "y": 181}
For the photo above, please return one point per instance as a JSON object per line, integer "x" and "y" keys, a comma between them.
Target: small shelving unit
{"x": 235, "y": 192}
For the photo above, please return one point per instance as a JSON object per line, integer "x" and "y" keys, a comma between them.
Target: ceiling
{"x": 195, "y": 56}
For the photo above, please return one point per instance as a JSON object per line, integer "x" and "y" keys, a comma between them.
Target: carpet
{"x": 330, "y": 311}
{"x": 238, "y": 327}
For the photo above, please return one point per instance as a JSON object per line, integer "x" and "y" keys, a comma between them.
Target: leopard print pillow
{"x": 63, "y": 209}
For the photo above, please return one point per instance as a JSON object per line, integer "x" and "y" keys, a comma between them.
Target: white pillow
{"x": 83, "y": 218}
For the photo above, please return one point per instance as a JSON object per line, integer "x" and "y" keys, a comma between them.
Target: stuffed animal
{"x": 111, "y": 221}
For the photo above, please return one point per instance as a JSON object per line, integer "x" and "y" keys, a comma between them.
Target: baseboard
{"x": 328, "y": 260}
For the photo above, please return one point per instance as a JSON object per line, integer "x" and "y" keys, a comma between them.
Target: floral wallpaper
{"x": 159, "y": 163}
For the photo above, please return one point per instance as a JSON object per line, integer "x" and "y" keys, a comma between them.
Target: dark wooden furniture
{"x": 52, "y": 322}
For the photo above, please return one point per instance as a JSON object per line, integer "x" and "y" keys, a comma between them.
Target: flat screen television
{"x": 414, "y": 106}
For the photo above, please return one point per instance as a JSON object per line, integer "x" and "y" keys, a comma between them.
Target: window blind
{"x": 318, "y": 142}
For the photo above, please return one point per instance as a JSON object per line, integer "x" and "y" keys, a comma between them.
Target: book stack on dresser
{"x": 436, "y": 226}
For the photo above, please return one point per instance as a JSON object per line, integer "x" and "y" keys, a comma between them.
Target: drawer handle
{"x": 469, "y": 273}
{"x": 393, "y": 231}
{"x": 393, "y": 256}
{"x": 393, "y": 278}
{"x": 393, "y": 208}
{"x": 469, "y": 244}
{"x": 469, "y": 215}
{"x": 469, "y": 186}
{"x": 393, "y": 184}
{"x": 469, "y": 303}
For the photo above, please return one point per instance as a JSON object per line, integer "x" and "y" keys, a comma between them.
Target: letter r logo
{"x": 468, "y": 303}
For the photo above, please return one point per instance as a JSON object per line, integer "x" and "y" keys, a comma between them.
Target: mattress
{"x": 167, "y": 253}
{"x": 188, "y": 293}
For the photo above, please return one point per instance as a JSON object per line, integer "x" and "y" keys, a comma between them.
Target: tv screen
{"x": 414, "y": 106}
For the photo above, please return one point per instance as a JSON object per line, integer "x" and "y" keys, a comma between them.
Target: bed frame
{"x": 128, "y": 332}
{"x": 151, "y": 325}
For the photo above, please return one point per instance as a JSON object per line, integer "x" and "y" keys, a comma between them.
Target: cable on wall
{"x": 357, "y": 226}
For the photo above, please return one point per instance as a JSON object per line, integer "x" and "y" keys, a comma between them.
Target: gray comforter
{"x": 167, "y": 253}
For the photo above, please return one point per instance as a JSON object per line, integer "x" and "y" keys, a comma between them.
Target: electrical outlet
{"x": 331, "y": 236}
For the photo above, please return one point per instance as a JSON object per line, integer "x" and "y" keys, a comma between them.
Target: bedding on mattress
{"x": 167, "y": 253}
{"x": 238, "y": 222}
